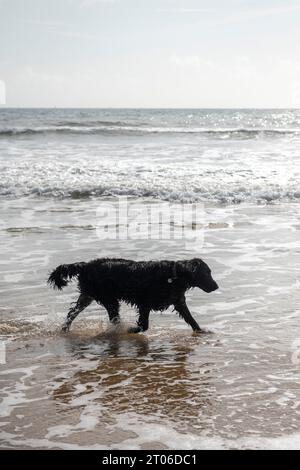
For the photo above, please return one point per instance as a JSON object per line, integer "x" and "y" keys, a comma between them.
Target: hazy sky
{"x": 150, "y": 53}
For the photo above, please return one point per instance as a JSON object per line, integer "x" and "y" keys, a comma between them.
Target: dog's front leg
{"x": 112, "y": 308}
{"x": 142, "y": 323}
{"x": 184, "y": 312}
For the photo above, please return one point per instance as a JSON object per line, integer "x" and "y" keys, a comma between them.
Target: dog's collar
{"x": 173, "y": 275}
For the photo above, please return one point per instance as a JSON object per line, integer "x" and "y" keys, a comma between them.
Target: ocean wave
{"x": 225, "y": 195}
{"x": 95, "y": 123}
{"x": 119, "y": 128}
{"x": 171, "y": 172}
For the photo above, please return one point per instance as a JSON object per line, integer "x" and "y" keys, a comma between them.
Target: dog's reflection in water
{"x": 113, "y": 342}
{"x": 133, "y": 374}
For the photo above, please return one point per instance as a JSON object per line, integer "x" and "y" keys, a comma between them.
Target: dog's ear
{"x": 194, "y": 264}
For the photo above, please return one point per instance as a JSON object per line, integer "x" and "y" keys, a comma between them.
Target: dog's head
{"x": 200, "y": 275}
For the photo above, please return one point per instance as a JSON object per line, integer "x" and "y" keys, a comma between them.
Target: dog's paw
{"x": 200, "y": 331}
{"x": 134, "y": 329}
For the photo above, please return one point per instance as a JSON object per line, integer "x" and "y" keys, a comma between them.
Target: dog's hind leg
{"x": 82, "y": 302}
{"x": 142, "y": 323}
{"x": 184, "y": 312}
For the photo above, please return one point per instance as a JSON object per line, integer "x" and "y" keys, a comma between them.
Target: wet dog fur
{"x": 146, "y": 285}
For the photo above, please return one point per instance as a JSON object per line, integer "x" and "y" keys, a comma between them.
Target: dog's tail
{"x": 61, "y": 276}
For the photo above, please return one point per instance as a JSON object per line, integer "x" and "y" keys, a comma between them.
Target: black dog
{"x": 149, "y": 285}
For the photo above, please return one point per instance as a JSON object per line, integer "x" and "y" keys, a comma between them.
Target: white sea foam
{"x": 222, "y": 157}
{"x": 201, "y": 179}
{"x": 171, "y": 438}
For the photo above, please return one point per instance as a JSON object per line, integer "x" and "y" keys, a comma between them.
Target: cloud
{"x": 190, "y": 61}
{"x": 275, "y": 10}
{"x": 252, "y": 14}
{"x": 87, "y": 3}
{"x": 186, "y": 10}
{"x": 243, "y": 14}
{"x": 58, "y": 28}
{"x": 72, "y": 34}
{"x": 36, "y": 76}
{"x": 43, "y": 22}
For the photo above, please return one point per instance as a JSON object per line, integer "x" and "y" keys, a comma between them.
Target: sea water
{"x": 97, "y": 387}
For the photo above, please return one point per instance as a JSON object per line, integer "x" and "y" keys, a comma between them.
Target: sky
{"x": 150, "y": 53}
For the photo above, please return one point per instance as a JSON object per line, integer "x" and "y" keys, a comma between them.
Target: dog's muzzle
{"x": 214, "y": 287}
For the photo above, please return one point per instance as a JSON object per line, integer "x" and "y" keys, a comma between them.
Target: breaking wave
{"x": 122, "y": 128}
{"x": 224, "y": 193}
{"x": 220, "y": 156}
